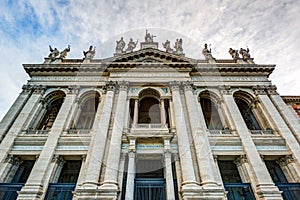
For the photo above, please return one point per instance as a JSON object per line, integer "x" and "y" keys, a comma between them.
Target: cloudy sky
{"x": 271, "y": 29}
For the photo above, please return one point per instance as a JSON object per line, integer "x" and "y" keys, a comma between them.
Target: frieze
{"x": 68, "y": 78}
{"x": 219, "y": 78}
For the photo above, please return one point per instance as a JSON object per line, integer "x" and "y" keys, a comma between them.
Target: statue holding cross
{"x": 148, "y": 37}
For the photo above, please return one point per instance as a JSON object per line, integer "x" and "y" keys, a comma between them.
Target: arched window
{"x": 87, "y": 112}
{"x": 53, "y": 103}
{"x": 247, "y": 114}
{"x": 149, "y": 111}
{"x": 211, "y": 114}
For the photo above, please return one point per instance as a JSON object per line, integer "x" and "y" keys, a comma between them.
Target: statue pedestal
{"x": 145, "y": 45}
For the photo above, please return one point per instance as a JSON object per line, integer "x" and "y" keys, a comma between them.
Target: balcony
{"x": 35, "y": 132}
{"x": 238, "y": 191}
{"x": 60, "y": 191}
{"x": 78, "y": 131}
{"x": 290, "y": 191}
{"x": 150, "y": 130}
{"x": 10, "y": 190}
{"x": 220, "y": 132}
{"x": 261, "y": 132}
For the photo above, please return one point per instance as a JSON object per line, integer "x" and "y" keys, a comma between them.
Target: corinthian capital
{"x": 123, "y": 85}
{"x": 225, "y": 89}
{"x": 174, "y": 85}
{"x": 39, "y": 89}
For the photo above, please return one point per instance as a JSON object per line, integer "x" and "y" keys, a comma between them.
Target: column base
{"x": 211, "y": 191}
{"x": 87, "y": 191}
{"x": 31, "y": 191}
{"x": 109, "y": 191}
{"x": 268, "y": 192}
{"x": 190, "y": 190}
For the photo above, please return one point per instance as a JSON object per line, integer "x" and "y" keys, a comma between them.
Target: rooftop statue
{"x": 234, "y": 54}
{"x": 131, "y": 45}
{"x": 178, "y": 46}
{"x": 148, "y": 37}
{"x": 89, "y": 54}
{"x": 53, "y": 53}
{"x": 207, "y": 53}
{"x": 167, "y": 46}
{"x": 65, "y": 52}
{"x": 120, "y": 45}
{"x": 245, "y": 54}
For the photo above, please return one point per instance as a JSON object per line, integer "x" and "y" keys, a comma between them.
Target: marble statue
{"x": 234, "y": 54}
{"x": 178, "y": 46}
{"x": 167, "y": 46}
{"x": 148, "y": 37}
{"x": 120, "y": 45}
{"x": 131, "y": 45}
{"x": 53, "y": 53}
{"x": 89, "y": 54}
{"x": 65, "y": 52}
{"x": 245, "y": 54}
{"x": 207, "y": 53}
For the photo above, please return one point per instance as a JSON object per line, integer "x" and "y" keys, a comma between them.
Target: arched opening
{"x": 87, "y": 112}
{"x": 211, "y": 114}
{"x": 149, "y": 111}
{"x": 53, "y": 104}
{"x": 247, "y": 114}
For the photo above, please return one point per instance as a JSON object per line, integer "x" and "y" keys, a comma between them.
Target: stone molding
{"x": 73, "y": 89}
{"x": 284, "y": 161}
{"x": 242, "y": 159}
{"x": 39, "y": 89}
{"x": 27, "y": 88}
{"x": 225, "y": 90}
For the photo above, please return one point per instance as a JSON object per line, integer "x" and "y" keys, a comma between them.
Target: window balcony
{"x": 150, "y": 130}
{"x": 238, "y": 191}
{"x": 262, "y": 132}
{"x": 290, "y": 191}
{"x": 60, "y": 191}
{"x": 10, "y": 190}
{"x": 220, "y": 132}
{"x": 78, "y": 131}
{"x": 35, "y": 132}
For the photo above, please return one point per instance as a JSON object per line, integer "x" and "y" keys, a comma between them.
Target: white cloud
{"x": 270, "y": 28}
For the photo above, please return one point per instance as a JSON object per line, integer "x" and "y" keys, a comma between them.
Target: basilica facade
{"x": 150, "y": 124}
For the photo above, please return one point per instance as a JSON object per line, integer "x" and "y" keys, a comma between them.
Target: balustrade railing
{"x": 10, "y": 190}
{"x": 220, "y": 132}
{"x": 290, "y": 191}
{"x": 60, "y": 191}
{"x": 75, "y": 131}
{"x": 150, "y": 126}
{"x": 238, "y": 191}
{"x": 261, "y": 132}
{"x": 36, "y": 132}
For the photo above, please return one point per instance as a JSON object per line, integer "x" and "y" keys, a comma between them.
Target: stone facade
{"x": 100, "y": 127}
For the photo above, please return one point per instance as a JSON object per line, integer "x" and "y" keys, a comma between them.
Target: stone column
{"x": 286, "y": 113}
{"x": 19, "y": 122}
{"x": 162, "y": 112}
{"x": 190, "y": 186}
{"x": 36, "y": 185}
{"x": 9, "y": 168}
{"x": 75, "y": 110}
{"x": 168, "y": 170}
{"x": 263, "y": 183}
{"x": 178, "y": 174}
{"x": 204, "y": 155}
{"x": 14, "y": 110}
{"x": 130, "y": 173}
{"x": 109, "y": 189}
{"x": 94, "y": 160}
{"x": 218, "y": 176}
{"x": 58, "y": 163}
{"x": 121, "y": 174}
{"x": 136, "y": 112}
{"x": 287, "y": 165}
{"x": 278, "y": 122}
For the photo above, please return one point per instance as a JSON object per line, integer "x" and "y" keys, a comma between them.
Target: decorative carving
{"x": 120, "y": 46}
{"x": 27, "y": 88}
{"x": 234, "y": 54}
{"x": 178, "y": 46}
{"x": 272, "y": 90}
{"x": 89, "y": 54}
{"x": 283, "y": 161}
{"x": 123, "y": 85}
{"x": 207, "y": 53}
{"x": 53, "y": 53}
{"x": 225, "y": 90}
{"x": 187, "y": 86}
{"x": 131, "y": 45}
{"x": 167, "y": 46}
{"x": 241, "y": 160}
{"x": 39, "y": 89}
{"x": 73, "y": 89}
{"x": 111, "y": 85}
{"x": 65, "y": 52}
{"x": 259, "y": 89}
{"x": 174, "y": 85}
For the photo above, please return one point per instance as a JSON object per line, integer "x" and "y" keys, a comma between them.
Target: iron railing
{"x": 9, "y": 191}
{"x": 149, "y": 188}
{"x": 239, "y": 191}
{"x": 290, "y": 191}
{"x": 60, "y": 191}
